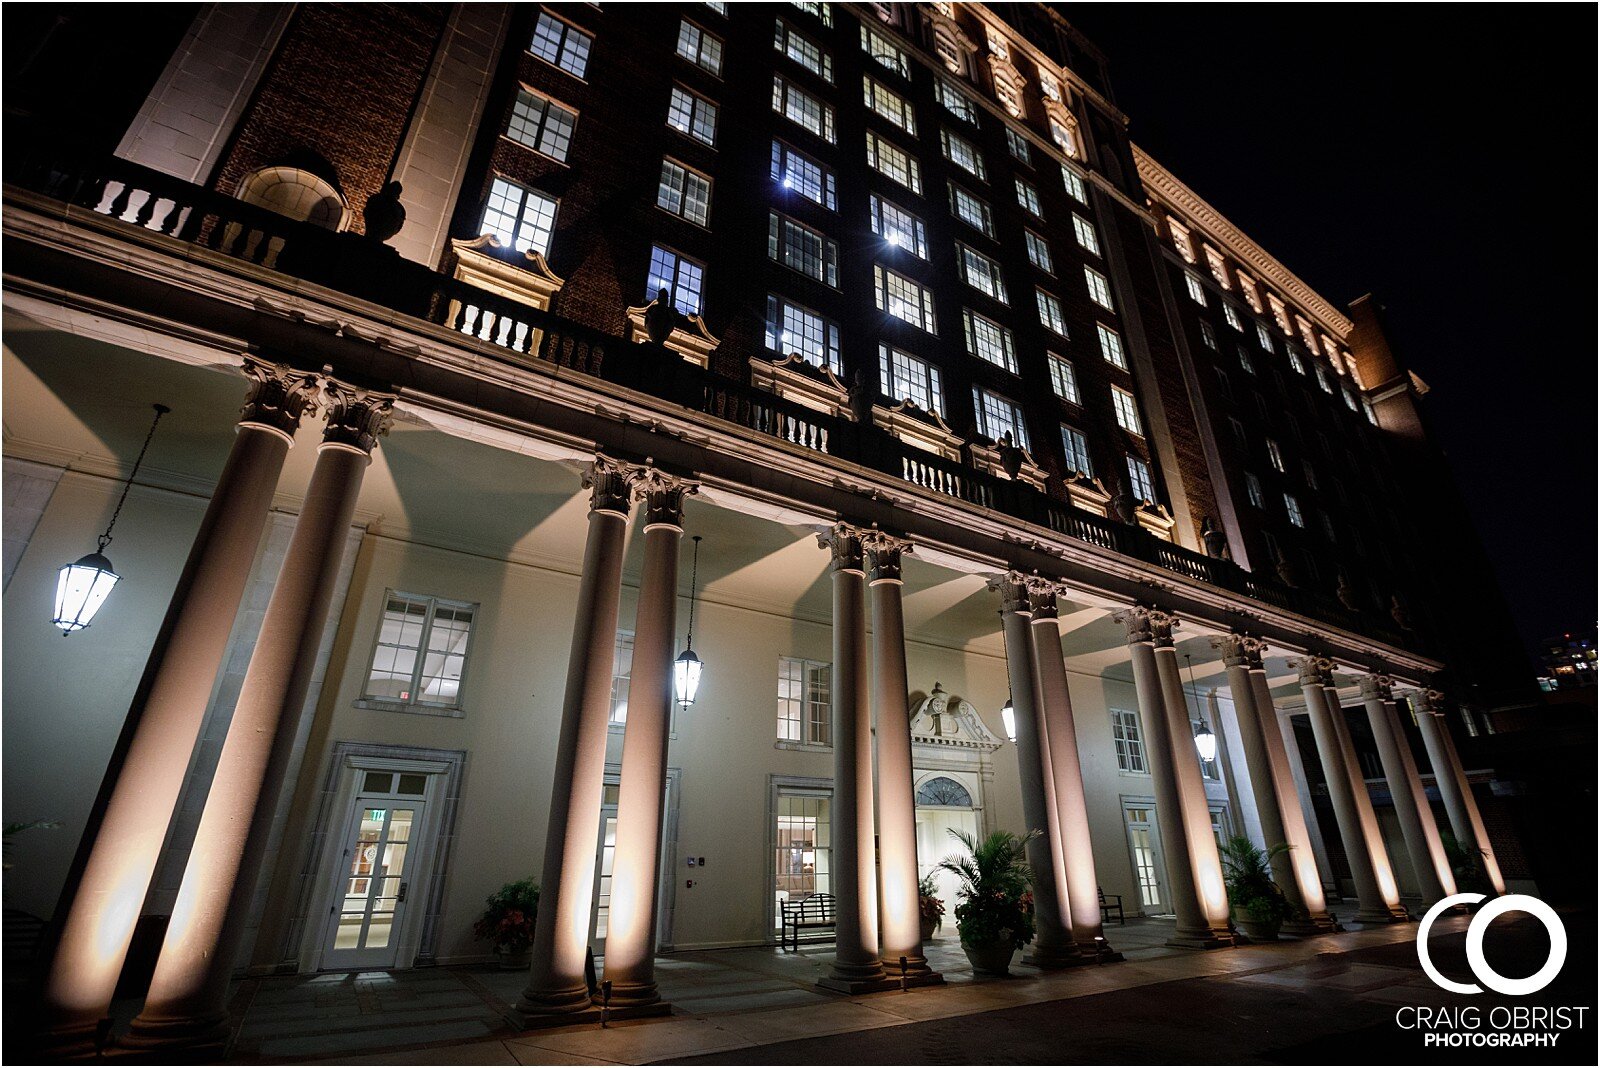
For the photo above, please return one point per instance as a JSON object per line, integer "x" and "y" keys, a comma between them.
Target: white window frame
{"x": 1141, "y": 480}
{"x": 789, "y": 163}
{"x": 812, "y": 717}
{"x": 786, "y": 93}
{"x": 897, "y": 226}
{"x": 1076, "y": 449}
{"x": 1111, "y": 346}
{"x": 699, "y": 109}
{"x": 893, "y": 162}
{"x": 689, "y": 179}
{"x": 895, "y": 304}
{"x": 782, "y": 312}
{"x": 1099, "y": 288}
{"x": 963, "y": 154}
{"x": 1039, "y": 252}
{"x": 542, "y": 225}
{"x": 705, "y": 49}
{"x": 563, "y": 60}
{"x": 983, "y": 335}
{"x": 987, "y": 405}
{"x": 963, "y": 204}
{"x": 1083, "y": 230}
{"x": 539, "y": 126}
{"x": 1127, "y": 739}
{"x": 414, "y": 703}
{"x": 1127, "y": 411}
{"x": 802, "y": 51}
{"x": 899, "y": 369}
{"x": 1063, "y": 378}
{"x": 980, "y": 272}
{"x": 888, "y": 104}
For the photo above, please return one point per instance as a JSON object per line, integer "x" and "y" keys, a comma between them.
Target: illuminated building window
{"x": 1020, "y": 149}
{"x": 1208, "y": 335}
{"x": 1275, "y": 455}
{"x": 1128, "y": 742}
{"x": 820, "y": 11}
{"x": 998, "y": 417}
{"x": 1049, "y": 87}
{"x": 692, "y": 115}
{"x": 804, "y": 701}
{"x": 893, "y": 162}
{"x": 802, "y": 50}
{"x": 904, "y": 377}
{"x": 1063, "y": 379}
{"x": 1197, "y": 290}
{"x": 1050, "y": 314}
{"x": 970, "y": 210}
{"x": 1074, "y": 183}
{"x": 1244, "y": 359}
{"x": 884, "y": 51}
{"x": 561, "y": 44}
{"x": 988, "y": 340}
{"x": 980, "y": 272}
{"x": 1263, "y": 336}
{"x": 1111, "y": 346}
{"x": 956, "y": 102}
{"x": 541, "y": 124}
{"x": 519, "y": 218}
{"x": 684, "y": 192}
{"x": 897, "y": 226}
{"x": 1028, "y": 197}
{"x": 1083, "y": 230}
{"x": 801, "y": 108}
{"x": 1038, "y": 252}
{"x": 1292, "y": 506}
{"x": 1099, "y": 288}
{"x": 699, "y": 47}
{"x": 1076, "y": 448}
{"x": 1064, "y": 132}
{"x": 889, "y": 104}
{"x": 421, "y": 652}
{"x": 679, "y": 276}
{"x": 1140, "y": 483}
{"x": 1231, "y": 314}
{"x": 1350, "y": 400}
{"x": 962, "y": 153}
{"x": 903, "y": 298}
{"x": 1127, "y": 410}
{"x": 797, "y": 172}
{"x": 1296, "y": 362}
{"x": 621, "y": 676}
{"x": 1252, "y": 489}
{"x": 792, "y": 328}
{"x": 1323, "y": 379}
{"x": 800, "y": 248}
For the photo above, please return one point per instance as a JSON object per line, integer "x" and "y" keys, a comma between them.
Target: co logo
{"x": 1475, "y": 931}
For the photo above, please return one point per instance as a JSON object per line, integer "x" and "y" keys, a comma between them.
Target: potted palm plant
{"x": 508, "y": 920}
{"x": 995, "y": 913}
{"x": 929, "y": 906}
{"x": 1259, "y": 907}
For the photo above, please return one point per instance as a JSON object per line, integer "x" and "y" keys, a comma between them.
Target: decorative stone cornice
{"x": 662, "y": 494}
{"x": 357, "y": 417}
{"x": 844, "y": 542}
{"x": 918, "y": 427}
{"x": 487, "y": 264}
{"x": 795, "y": 378}
{"x": 279, "y": 395}
{"x": 1314, "y": 670}
{"x": 689, "y": 338}
{"x": 1376, "y": 688}
{"x": 1147, "y": 624}
{"x": 884, "y": 554}
{"x": 993, "y": 459}
{"x": 608, "y": 483}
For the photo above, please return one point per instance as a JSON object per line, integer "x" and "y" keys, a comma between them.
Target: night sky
{"x": 1443, "y": 159}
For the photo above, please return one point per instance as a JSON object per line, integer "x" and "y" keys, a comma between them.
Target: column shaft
{"x": 556, "y": 983}
{"x": 1466, "y": 822}
{"x": 164, "y": 722}
{"x": 636, "y": 869}
{"x": 1423, "y": 844}
{"x": 855, "y": 964}
{"x": 897, "y": 813}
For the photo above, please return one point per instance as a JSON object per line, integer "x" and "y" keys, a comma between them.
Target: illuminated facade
{"x": 879, "y": 300}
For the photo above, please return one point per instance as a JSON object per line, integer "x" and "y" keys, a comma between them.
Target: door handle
{"x": 401, "y": 896}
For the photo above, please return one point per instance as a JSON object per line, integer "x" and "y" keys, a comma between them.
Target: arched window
{"x": 297, "y": 193}
{"x": 944, "y": 791}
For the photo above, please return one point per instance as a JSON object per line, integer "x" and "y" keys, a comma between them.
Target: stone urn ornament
{"x": 661, "y": 318}
{"x": 1010, "y": 456}
{"x": 1215, "y": 541}
{"x": 384, "y": 215}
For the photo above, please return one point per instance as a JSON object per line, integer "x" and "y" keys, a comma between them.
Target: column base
{"x": 177, "y": 1033}
{"x": 625, "y": 995}
{"x": 1315, "y": 925}
{"x": 77, "y": 1042}
{"x": 1054, "y": 958}
{"x": 1381, "y": 917}
{"x": 915, "y": 966}
{"x": 1099, "y": 952}
{"x": 563, "y": 1005}
{"x": 594, "y": 1014}
{"x": 1201, "y": 938}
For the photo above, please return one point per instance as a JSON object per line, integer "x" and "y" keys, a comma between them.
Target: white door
{"x": 605, "y": 859}
{"x": 376, "y": 872}
{"x": 1144, "y": 844}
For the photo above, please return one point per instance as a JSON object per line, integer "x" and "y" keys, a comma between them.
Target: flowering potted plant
{"x": 995, "y": 914}
{"x": 930, "y": 906}
{"x": 1259, "y": 906}
{"x": 507, "y": 921}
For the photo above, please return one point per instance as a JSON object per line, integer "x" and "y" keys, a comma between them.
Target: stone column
{"x": 1271, "y": 782}
{"x": 855, "y": 965}
{"x": 897, "y": 800}
{"x": 1194, "y": 872}
{"x": 187, "y": 1002}
{"x": 1302, "y": 790}
{"x": 142, "y": 785}
{"x": 1466, "y": 822}
{"x": 1428, "y": 860}
{"x": 1377, "y": 898}
{"x": 556, "y": 984}
{"x": 1053, "y": 945}
{"x": 636, "y": 867}
{"x": 1080, "y": 890}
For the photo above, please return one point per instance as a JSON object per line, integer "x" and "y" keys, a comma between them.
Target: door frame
{"x": 1163, "y": 906}
{"x": 666, "y": 875}
{"x": 776, "y": 785}
{"x": 363, "y": 802}
{"x": 417, "y": 940}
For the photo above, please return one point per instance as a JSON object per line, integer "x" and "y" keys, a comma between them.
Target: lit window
{"x": 1231, "y": 314}
{"x": 684, "y": 192}
{"x": 897, "y": 226}
{"x": 1099, "y": 288}
{"x": 1197, "y": 290}
{"x": 1208, "y": 335}
{"x": 1038, "y": 252}
{"x": 1247, "y": 286}
{"x": 904, "y": 377}
{"x": 1048, "y": 86}
{"x": 893, "y": 162}
{"x": 1028, "y": 197}
{"x": 998, "y": 417}
{"x": 792, "y": 328}
{"x": 1244, "y": 359}
{"x": 519, "y": 218}
{"x": 1350, "y": 401}
{"x": 421, "y": 651}
{"x": 980, "y": 272}
{"x": 1129, "y": 745}
{"x": 997, "y": 44}
{"x": 621, "y": 676}
{"x": 1263, "y": 335}
{"x": 721, "y": 9}
{"x": 1292, "y": 506}
{"x": 955, "y": 101}
{"x": 891, "y": 105}
{"x": 1111, "y": 346}
{"x": 799, "y": 173}
{"x": 1323, "y": 380}
{"x": 682, "y": 278}
{"x": 565, "y": 46}
{"x": 1076, "y": 448}
{"x": 970, "y": 210}
{"x": 1371, "y": 413}
{"x": 1280, "y": 314}
{"x": 962, "y": 153}
{"x": 1275, "y": 455}
{"x": 1008, "y": 90}
{"x": 693, "y": 115}
{"x": 1252, "y": 489}
{"x": 1019, "y": 146}
{"x": 542, "y": 125}
{"x": 821, "y": 11}
{"x": 988, "y": 340}
{"x": 1063, "y": 379}
{"x": 802, "y": 249}
{"x": 1219, "y": 268}
{"x": 1180, "y": 239}
{"x": 903, "y": 298}
{"x": 1084, "y": 230}
{"x": 1065, "y": 134}
{"x": 1139, "y": 481}
{"x": 1295, "y": 362}
{"x": 885, "y": 51}
{"x": 802, "y": 50}
{"x": 699, "y": 47}
{"x": 1074, "y": 183}
{"x": 1122, "y": 403}
{"x": 804, "y": 701}
{"x": 1050, "y": 313}
{"x": 1311, "y": 473}
{"x": 801, "y": 108}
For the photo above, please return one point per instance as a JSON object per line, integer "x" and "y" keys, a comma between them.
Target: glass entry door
{"x": 803, "y": 847}
{"x": 380, "y": 854}
{"x": 1144, "y": 844}
{"x": 605, "y": 859}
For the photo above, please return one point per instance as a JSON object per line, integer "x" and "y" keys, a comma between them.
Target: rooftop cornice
{"x": 1216, "y": 226}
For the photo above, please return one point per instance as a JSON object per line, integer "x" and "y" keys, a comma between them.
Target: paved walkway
{"x": 731, "y": 1000}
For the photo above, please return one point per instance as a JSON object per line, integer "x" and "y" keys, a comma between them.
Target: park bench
{"x": 1111, "y": 903}
{"x": 812, "y": 912}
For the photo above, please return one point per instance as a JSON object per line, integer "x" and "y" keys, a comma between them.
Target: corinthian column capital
{"x": 607, "y": 482}
{"x": 1146, "y": 624}
{"x": 1013, "y": 590}
{"x": 357, "y": 418}
{"x": 1376, "y": 688}
{"x": 885, "y": 553}
{"x": 1042, "y": 598}
{"x": 1427, "y": 702}
{"x": 844, "y": 542}
{"x": 1314, "y": 670}
{"x": 279, "y": 395}
{"x": 1240, "y": 650}
{"x": 662, "y": 494}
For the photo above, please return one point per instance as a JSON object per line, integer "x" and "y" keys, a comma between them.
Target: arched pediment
{"x": 943, "y": 720}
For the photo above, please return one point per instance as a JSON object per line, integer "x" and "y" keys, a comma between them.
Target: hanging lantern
{"x": 1205, "y": 743}
{"x": 1008, "y": 719}
{"x": 83, "y": 585}
{"x": 686, "y": 669}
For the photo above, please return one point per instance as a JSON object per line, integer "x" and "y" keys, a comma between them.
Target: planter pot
{"x": 1258, "y": 930}
{"x": 928, "y": 928}
{"x": 992, "y": 957}
{"x": 513, "y": 960}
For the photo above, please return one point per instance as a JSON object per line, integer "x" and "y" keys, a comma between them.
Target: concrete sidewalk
{"x": 734, "y": 999}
